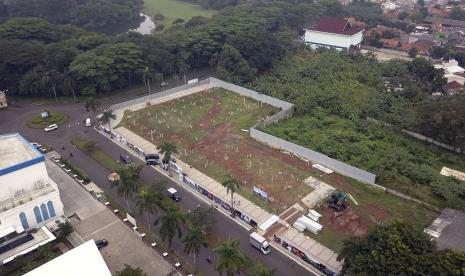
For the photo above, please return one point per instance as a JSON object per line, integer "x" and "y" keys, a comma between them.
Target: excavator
{"x": 339, "y": 202}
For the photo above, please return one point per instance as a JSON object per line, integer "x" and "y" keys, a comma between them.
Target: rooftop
{"x": 16, "y": 153}
{"x": 16, "y": 244}
{"x": 84, "y": 260}
{"x": 334, "y": 25}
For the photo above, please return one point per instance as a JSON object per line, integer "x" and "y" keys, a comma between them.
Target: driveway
{"x": 123, "y": 245}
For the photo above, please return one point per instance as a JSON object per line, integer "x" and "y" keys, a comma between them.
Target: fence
{"x": 286, "y": 111}
{"x": 158, "y": 95}
{"x": 335, "y": 165}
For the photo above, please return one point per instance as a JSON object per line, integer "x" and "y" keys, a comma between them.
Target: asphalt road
{"x": 14, "y": 118}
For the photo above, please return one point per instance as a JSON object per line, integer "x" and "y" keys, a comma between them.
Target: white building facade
{"x": 333, "y": 33}
{"x": 28, "y": 197}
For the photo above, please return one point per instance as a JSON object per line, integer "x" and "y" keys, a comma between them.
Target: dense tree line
{"x": 89, "y": 14}
{"x": 39, "y": 58}
{"x": 399, "y": 249}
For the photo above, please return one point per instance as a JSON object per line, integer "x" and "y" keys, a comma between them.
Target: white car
{"x": 51, "y": 127}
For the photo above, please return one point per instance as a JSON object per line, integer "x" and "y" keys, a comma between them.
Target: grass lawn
{"x": 174, "y": 9}
{"x": 97, "y": 154}
{"x": 54, "y": 118}
{"x": 211, "y": 130}
{"x": 399, "y": 162}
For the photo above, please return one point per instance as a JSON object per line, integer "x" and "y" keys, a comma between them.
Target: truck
{"x": 259, "y": 242}
{"x": 174, "y": 194}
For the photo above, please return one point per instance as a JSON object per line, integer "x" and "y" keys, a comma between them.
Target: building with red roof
{"x": 333, "y": 32}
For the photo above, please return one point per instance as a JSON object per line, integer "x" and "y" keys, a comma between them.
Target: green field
{"x": 54, "y": 118}
{"x": 399, "y": 162}
{"x": 174, "y": 9}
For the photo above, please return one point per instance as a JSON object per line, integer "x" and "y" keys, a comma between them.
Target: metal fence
{"x": 158, "y": 95}
{"x": 308, "y": 154}
{"x": 286, "y": 111}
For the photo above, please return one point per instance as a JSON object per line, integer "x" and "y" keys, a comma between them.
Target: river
{"x": 146, "y": 26}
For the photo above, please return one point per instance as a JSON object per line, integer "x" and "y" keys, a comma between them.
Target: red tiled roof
{"x": 453, "y": 85}
{"x": 460, "y": 74}
{"x": 392, "y": 42}
{"x": 334, "y": 25}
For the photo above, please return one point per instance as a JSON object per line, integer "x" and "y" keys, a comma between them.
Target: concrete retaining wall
{"x": 308, "y": 154}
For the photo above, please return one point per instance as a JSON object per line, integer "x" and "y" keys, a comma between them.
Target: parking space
{"x": 75, "y": 199}
{"x": 123, "y": 245}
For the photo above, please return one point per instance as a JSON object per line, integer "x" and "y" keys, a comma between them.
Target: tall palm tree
{"x": 147, "y": 73}
{"x": 126, "y": 186}
{"x": 232, "y": 185}
{"x": 107, "y": 116}
{"x": 146, "y": 203}
{"x": 170, "y": 223}
{"x": 69, "y": 84}
{"x": 92, "y": 104}
{"x": 230, "y": 260}
{"x": 167, "y": 148}
{"x": 193, "y": 241}
{"x": 261, "y": 270}
{"x": 50, "y": 79}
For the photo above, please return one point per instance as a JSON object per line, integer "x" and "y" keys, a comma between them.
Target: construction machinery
{"x": 339, "y": 202}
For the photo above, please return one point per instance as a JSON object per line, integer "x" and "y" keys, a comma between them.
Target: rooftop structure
{"x": 28, "y": 197}
{"x": 17, "y": 153}
{"x": 333, "y": 33}
{"x": 15, "y": 244}
{"x": 82, "y": 260}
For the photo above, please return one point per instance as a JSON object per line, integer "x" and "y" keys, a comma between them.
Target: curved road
{"x": 14, "y": 118}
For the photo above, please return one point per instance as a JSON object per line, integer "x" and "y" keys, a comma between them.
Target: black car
{"x": 101, "y": 243}
{"x": 152, "y": 159}
{"x": 125, "y": 158}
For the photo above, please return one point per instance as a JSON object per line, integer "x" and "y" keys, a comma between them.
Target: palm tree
{"x": 50, "y": 79}
{"x": 106, "y": 118}
{"x": 230, "y": 260}
{"x": 126, "y": 186}
{"x": 167, "y": 148}
{"x": 170, "y": 223}
{"x": 194, "y": 241}
{"x": 232, "y": 185}
{"x": 147, "y": 76}
{"x": 70, "y": 84}
{"x": 261, "y": 270}
{"x": 146, "y": 203}
{"x": 92, "y": 104}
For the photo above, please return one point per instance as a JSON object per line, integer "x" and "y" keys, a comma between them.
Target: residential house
{"x": 333, "y": 33}
{"x": 452, "y": 71}
{"x": 453, "y": 88}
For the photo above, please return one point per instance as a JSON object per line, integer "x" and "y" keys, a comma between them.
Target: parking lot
{"x": 95, "y": 221}
{"x": 123, "y": 246}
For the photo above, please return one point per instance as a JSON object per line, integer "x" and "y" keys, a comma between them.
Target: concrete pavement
{"x": 13, "y": 119}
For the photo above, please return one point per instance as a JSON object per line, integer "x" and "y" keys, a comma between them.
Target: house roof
{"x": 392, "y": 42}
{"x": 335, "y": 26}
{"x": 453, "y": 85}
{"x": 444, "y": 21}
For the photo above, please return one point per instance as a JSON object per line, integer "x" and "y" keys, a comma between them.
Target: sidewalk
{"x": 318, "y": 252}
{"x": 245, "y": 206}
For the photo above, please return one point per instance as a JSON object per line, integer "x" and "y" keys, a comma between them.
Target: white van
{"x": 88, "y": 122}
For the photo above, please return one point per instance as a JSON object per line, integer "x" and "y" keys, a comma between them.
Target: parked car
{"x": 152, "y": 159}
{"x": 163, "y": 83}
{"x": 51, "y": 128}
{"x": 174, "y": 194}
{"x": 88, "y": 122}
{"x": 101, "y": 243}
{"x": 125, "y": 158}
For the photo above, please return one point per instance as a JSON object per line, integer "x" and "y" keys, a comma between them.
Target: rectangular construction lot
{"x": 210, "y": 129}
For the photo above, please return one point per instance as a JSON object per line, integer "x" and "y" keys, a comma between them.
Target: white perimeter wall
{"x": 335, "y": 40}
{"x": 22, "y": 179}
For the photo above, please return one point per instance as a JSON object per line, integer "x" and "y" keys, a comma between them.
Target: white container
{"x": 314, "y": 215}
